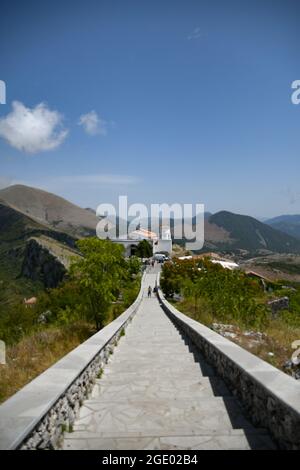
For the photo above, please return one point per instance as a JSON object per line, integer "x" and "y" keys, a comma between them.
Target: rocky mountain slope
{"x": 33, "y": 255}
{"x": 50, "y": 210}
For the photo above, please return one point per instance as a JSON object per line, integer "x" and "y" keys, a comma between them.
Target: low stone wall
{"x": 270, "y": 398}
{"x": 37, "y": 416}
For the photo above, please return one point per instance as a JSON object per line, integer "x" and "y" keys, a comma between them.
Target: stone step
{"x": 159, "y": 362}
{"x": 162, "y": 417}
{"x": 138, "y": 342}
{"x": 154, "y": 343}
{"x": 161, "y": 348}
{"x": 158, "y": 337}
{"x": 161, "y": 388}
{"x": 125, "y": 356}
{"x": 151, "y": 370}
{"x": 157, "y": 369}
{"x": 241, "y": 441}
{"x": 160, "y": 374}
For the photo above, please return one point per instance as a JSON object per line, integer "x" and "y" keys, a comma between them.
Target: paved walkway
{"x": 156, "y": 393}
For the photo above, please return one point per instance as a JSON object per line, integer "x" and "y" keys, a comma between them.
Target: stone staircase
{"x": 157, "y": 392}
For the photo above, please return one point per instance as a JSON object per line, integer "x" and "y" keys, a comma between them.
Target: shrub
{"x": 230, "y": 295}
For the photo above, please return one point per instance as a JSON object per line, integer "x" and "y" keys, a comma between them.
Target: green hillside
{"x": 286, "y": 223}
{"x": 249, "y": 234}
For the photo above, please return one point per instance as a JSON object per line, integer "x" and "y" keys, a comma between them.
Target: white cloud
{"x": 93, "y": 124}
{"x": 32, "y": 130}
{"x": 88, "y": 182}
{"x": 106, "y": 179}
{"x": 195, "y": 34}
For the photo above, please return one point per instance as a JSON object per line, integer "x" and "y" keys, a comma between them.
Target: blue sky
{"x": 165, "y": 101}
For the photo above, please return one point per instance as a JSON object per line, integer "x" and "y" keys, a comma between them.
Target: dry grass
{"x": 275, "y": 347}
{"x": 277, "y": 338}
{"x": 34, "y": 354}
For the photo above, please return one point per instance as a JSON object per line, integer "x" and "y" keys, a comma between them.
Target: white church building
{"x": 159, "y": 244}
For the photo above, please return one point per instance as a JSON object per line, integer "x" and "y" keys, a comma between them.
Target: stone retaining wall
{"x": 37, "y": 416}
{"x": 270, "y": 398}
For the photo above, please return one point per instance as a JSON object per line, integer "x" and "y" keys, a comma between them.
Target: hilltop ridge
{"x": 50, "y": 209}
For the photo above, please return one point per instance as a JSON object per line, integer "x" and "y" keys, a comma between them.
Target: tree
{"x": 134, "y": 266}
{"x": 144, "y": 249}
{"x": 100, "y": 274}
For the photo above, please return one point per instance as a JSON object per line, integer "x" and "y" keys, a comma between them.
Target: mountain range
{"x": 286, "y": 223}
{"x": 247, "y": 233}
{"x": 38, "y": 232}
{"x": 224, "y": 231}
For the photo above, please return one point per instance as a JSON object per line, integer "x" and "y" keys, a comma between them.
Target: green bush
{"x": 230, "y": 295}
{"x": 17, "y": 322}
{"x": 144, "y": 249}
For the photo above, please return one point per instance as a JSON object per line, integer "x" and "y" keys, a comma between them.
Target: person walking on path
{"x": 149, "y": 291}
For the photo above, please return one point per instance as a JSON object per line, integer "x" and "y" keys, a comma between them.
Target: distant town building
{"x": 130, "y": 242}
{"x": 163, "y": 244}
{"x": 225, "y": 264}
{"x": 143, "y": 234}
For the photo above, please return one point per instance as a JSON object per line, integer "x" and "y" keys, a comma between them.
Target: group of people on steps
{"x": 154, "y": 290}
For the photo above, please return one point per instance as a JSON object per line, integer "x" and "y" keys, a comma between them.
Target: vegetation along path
{"x": 156, "y": 392}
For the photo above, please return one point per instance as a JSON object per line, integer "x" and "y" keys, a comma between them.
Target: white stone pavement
{"x": 157, "y": 393}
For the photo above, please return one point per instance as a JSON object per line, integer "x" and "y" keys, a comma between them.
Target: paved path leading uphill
{"x": 156, "y": 393}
